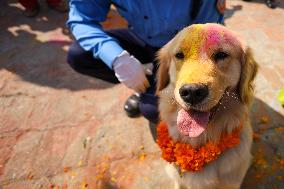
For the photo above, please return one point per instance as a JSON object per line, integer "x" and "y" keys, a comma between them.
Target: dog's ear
{"x": 248, "y": 73}
{"x": 165, "y": 58}
{"x": 163, "y": 77}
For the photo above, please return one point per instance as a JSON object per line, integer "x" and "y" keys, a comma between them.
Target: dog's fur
{"x": 230, "y": 92}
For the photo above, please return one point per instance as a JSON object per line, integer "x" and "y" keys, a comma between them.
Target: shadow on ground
{"x": 47, "y": 37}
{"x": 280, "y": 3}
{"x": 229, "y": 12}
{"x": 267, "y": 169}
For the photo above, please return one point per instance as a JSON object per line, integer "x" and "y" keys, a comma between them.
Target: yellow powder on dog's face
{"x": 193, "y": 68}
{"x": 192, "y": 42}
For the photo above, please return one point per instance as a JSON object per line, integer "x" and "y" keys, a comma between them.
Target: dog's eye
{"x": 220, "y": 56}
{"x": 179, "y": 55}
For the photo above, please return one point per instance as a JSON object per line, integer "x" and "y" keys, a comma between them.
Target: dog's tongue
{"x": 192, "y": 123}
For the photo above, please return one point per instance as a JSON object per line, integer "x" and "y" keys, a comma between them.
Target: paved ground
{"x": 59, "y": 129}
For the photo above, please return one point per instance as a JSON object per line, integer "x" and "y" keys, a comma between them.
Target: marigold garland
{"x": 189, "y": 158}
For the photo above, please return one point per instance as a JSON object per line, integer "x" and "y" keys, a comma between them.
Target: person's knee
{"x": 75, "y": 55}
{"x": 149, "y": 107}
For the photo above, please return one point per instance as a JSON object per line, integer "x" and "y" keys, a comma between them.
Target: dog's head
{"x": 203, "y": 63}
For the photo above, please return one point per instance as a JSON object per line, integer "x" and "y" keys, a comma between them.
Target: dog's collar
{"x": 188, "y": 158}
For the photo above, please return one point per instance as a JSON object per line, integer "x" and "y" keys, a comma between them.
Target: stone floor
{"x": 59, "y": 129}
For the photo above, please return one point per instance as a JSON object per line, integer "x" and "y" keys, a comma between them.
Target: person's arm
{"x": 84, "y": 22}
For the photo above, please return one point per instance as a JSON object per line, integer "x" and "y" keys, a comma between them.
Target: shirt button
{"x": 149, "y": 37}
{"x": 146, "y": 17}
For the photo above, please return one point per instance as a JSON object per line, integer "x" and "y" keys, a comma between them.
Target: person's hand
{"x": 130, "y": 72}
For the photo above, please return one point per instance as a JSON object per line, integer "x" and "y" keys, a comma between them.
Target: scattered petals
{"x": 84, "y": 185}
{"x": 279, "y": 129}
{"x": 80, "y": 163}
{"x": 264, "y": 120}
{"x": 255, "y": 136}
{"x": 142, "y": 157}
{"x": 30, "y": 176}
{"x": 113, "y": 179}
{"x": 66, "y": 169}
{"x": 281, "y": 162}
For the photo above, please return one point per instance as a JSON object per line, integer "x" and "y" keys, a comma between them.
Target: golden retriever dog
{"x": 205, "y": 87}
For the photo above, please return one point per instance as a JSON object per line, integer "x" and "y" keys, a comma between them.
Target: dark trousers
{"x": 83, "y": 62}
{"x": 31, "y": 4}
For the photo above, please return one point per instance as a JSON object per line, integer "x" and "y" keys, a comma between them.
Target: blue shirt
{"x": 154, "y": 21}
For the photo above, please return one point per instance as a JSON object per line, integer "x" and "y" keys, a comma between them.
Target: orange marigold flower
{"x": 189, "y": 158}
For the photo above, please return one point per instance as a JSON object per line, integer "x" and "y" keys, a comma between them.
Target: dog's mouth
{"x": 192, "y": 122}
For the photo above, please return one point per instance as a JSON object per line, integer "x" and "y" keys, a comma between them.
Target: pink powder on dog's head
{"x": 213, "y": 37}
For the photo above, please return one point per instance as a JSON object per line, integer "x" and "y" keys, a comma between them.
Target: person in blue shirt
{"x": 118, "y": 55}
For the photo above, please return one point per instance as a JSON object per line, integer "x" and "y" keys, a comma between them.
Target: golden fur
{"x": 230, "y": 90}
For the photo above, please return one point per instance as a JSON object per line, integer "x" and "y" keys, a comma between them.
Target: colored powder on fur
{"x": 194, "y": 42}
{"x": 200, "y": 40}
{"x": 213, "y": 37}
{"x": 203, "y": 40}
{"x": 193, "y": 46}
{"x": 230, "y": 37}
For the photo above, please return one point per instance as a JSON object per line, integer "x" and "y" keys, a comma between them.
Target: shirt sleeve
{"x": 208, "y": 13}
{"x": 84, "y": 22}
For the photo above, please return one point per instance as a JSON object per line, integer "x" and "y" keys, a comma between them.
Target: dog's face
{"x": 203, "y": 63}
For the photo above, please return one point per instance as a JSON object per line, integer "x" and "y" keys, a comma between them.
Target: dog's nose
{"x": 193, "y": 93}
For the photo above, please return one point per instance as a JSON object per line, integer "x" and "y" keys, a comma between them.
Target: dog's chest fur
{"x": 226, "y": 172}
